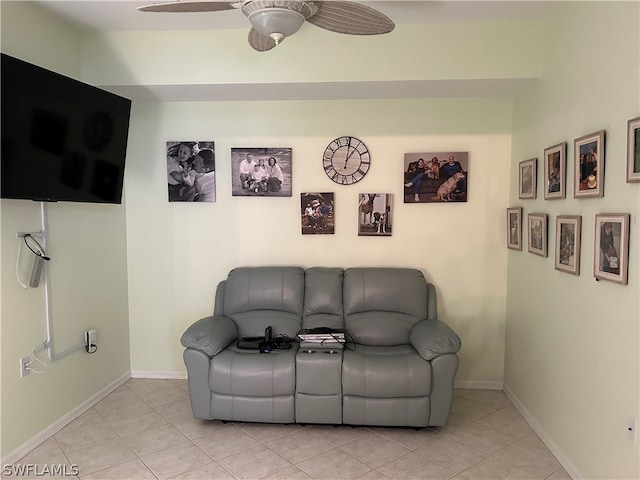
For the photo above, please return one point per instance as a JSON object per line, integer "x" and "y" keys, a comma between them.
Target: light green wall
{"x": 29, "y": 33}
{"x": 178, "y": 252}
{"x": 572, "y": 356}
{"x": 482, "y": 50}
{"x": 87, "y": 244}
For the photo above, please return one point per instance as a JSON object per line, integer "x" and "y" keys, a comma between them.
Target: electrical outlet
{"x": 632, "y": 430}
{"x": 91, "y": 340}
{"x": 24, "y": 365}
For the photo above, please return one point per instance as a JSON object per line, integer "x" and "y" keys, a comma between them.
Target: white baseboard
{"x": 63, "y": 421}
{"x": 478, "y": 384}
{"x": 158, "y": 374}
{"x": 551, "y": 445}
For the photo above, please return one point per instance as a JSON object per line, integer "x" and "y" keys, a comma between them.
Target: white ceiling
{"x": 122, "y": 15}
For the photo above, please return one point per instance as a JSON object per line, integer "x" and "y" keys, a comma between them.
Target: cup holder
{"x": 330, "y": 352}
{"x": 308, "y": 351}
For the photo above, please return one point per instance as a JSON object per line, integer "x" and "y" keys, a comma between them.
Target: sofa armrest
{"x": 210, "y": 334}
{"x": 431, "y": 338}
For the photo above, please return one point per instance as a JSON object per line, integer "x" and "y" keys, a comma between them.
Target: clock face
{"x": 346, "y": 160}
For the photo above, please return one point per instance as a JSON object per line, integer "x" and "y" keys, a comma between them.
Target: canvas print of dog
{"x": 446, "y": 189}
{"x": 436, "y": 177}
{"x": 375, "y": 214}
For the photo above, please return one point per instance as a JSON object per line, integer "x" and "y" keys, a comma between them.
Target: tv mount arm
{"x": 48, "y": 343}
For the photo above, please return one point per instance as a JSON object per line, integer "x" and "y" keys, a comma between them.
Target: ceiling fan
{"x": 274, "y": 20}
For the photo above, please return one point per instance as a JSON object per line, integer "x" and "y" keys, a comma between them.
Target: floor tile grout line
{"x": 506, "y": 459}
{"x": 53, "y": 437}
{"x": 235, "y": 424}
{"x": 121, "y": 437}
{"x": 124, "y": 441}
{"x": 170, "y": 422}
{"x": 492, "y": 409}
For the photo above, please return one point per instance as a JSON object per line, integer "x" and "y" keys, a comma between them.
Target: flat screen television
{"x": 62, "y": 140}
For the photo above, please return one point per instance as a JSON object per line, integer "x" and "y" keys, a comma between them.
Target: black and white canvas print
{"x": 191, "y": 169}
{"x": 261, "y": 172}
{"x": 375, "y": 214}
{"x": 317, "y": 213}
{"x": 436, "y": 177}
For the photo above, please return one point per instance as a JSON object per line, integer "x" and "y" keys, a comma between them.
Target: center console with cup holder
{"x": 319, "y": 383}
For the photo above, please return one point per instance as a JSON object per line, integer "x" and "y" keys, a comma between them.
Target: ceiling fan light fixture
{"x": 276, "y": 22}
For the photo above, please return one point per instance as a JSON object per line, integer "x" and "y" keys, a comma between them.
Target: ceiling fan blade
{"x": 260, "y": 42}
{"x": 187, "y": 7}
{"x": 350, "y": 18}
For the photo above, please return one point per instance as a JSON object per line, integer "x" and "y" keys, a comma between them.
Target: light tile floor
{"x": 145, "y": 430}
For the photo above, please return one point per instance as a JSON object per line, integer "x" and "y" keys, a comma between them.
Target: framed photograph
{"x": 633, "y": 150}
{"x": 555, "y": 166}
{"x": 436, "y": 177}
{"x": 317, "y": 213}
{"x": 514, "y": 228}
{"x": 568, "y": 232}
{"x": 375, "y": 214}
{"x": 527, "y": 179}
{"x": 191, "y": 171}
{"x": 538, "y": 233}
{"x": 611, "y": 248}
{"x": 589, "y": 165}
{"x": 261, "y": 172}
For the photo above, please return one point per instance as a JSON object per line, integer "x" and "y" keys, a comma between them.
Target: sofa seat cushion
{"x": 385, "y": 372}
{"x": 250, "y": 373}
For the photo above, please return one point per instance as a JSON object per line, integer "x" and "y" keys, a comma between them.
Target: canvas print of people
{"x": 436, "y": 177}
{"x": 374, "y": 214}
{"x": 262, "y": 172}
{"x": 191, "y": 169}
{"x": 317, "y": 213}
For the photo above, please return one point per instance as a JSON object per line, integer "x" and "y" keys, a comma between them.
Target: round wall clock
{"x": 346, "y": 160}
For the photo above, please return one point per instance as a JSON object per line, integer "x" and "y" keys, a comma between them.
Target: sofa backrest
{"x": 258, "y": 297}
{"x": 323, "y": 298}
{"x": 382, "y": 304}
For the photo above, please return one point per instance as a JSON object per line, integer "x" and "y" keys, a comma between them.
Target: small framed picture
{"x": 538, "y": 233}
{"x": 633, "y": 150}
{"x": 611, "y": 248}
{"x": 317, "y": 213}
{"x": 568, "y": 233}
{"x": 527, "y": 179}
{"x": 589, "y": 165}
{"x": 514, "y": 228}
{"x": 375, "y": 214}
{"x": 555, "y": 165}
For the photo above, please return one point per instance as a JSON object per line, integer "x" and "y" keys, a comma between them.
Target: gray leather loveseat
{"x": 396, "y": 368}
